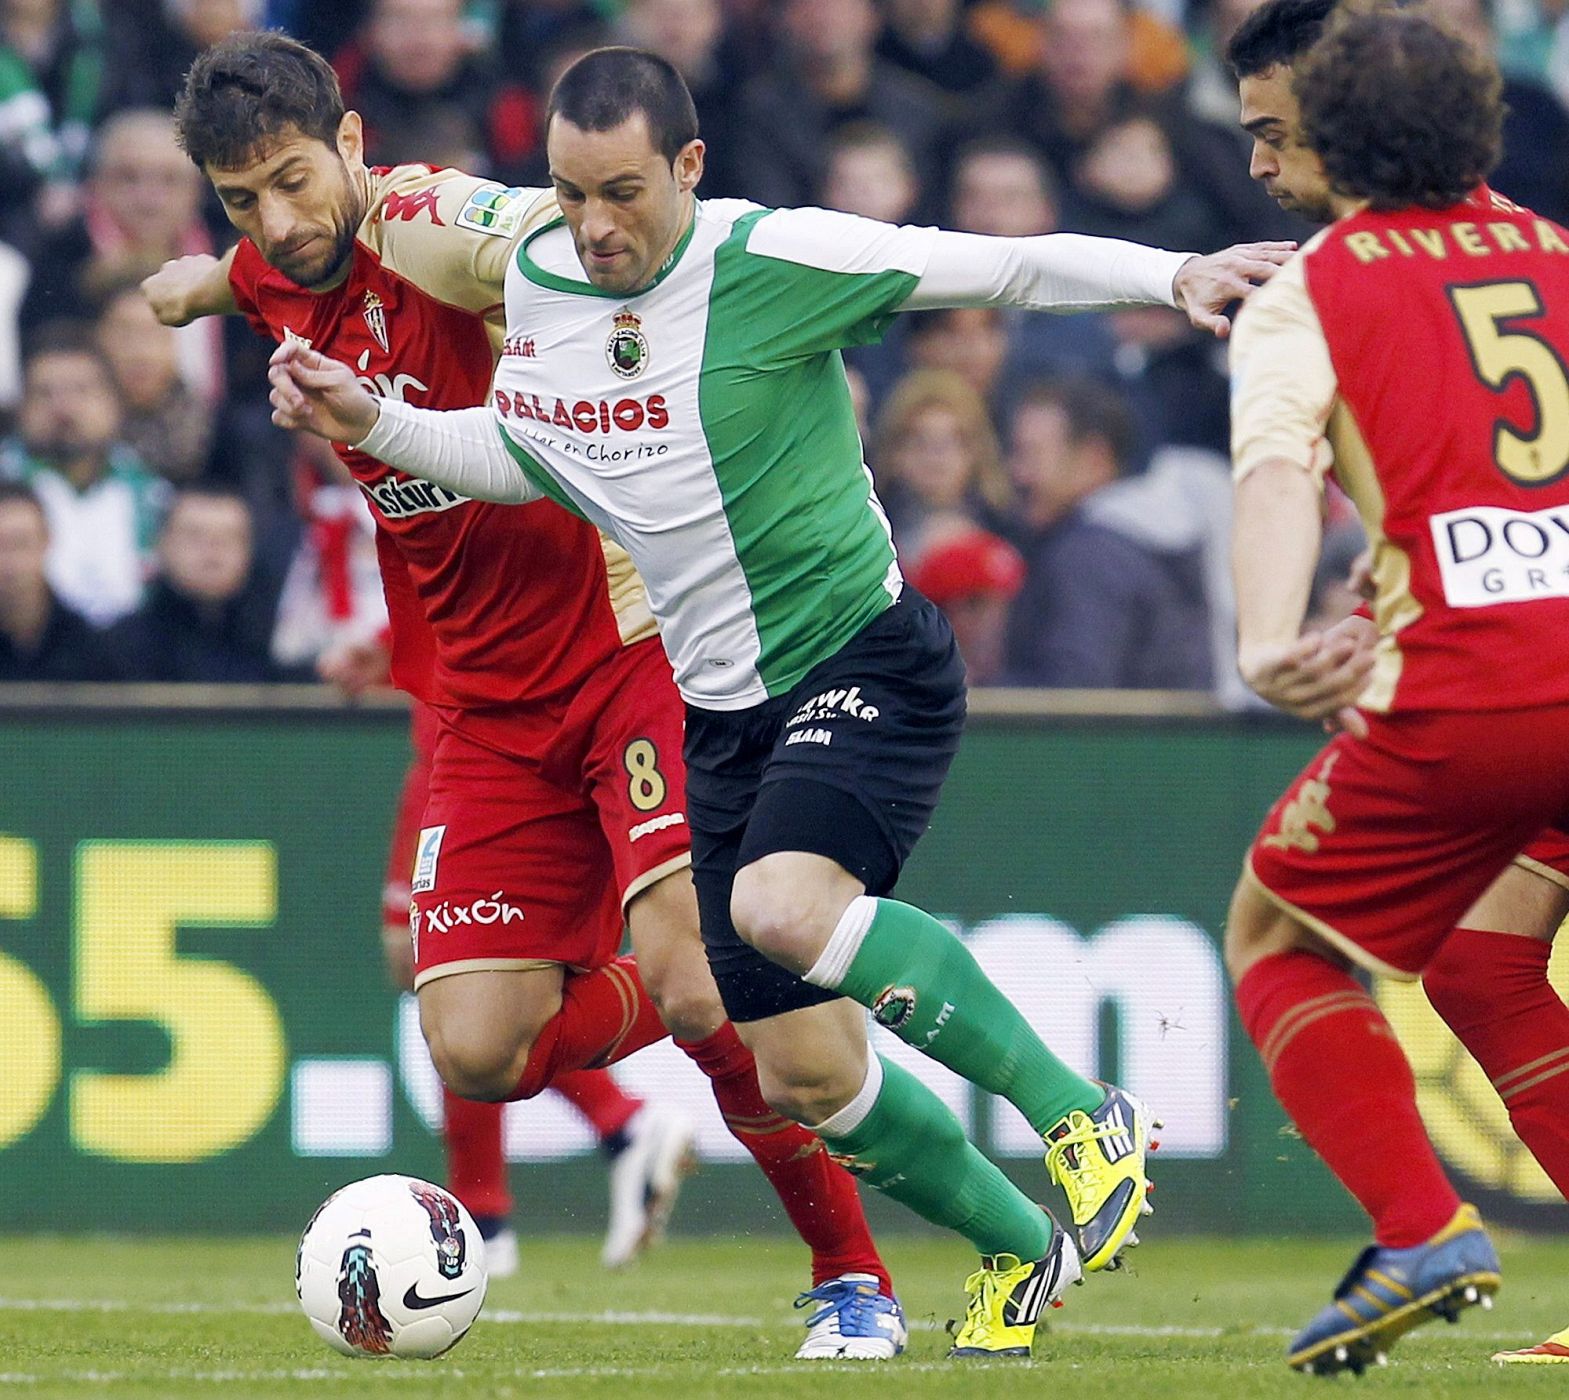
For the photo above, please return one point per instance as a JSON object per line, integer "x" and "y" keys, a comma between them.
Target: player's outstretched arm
{"x": 185, "y": 289}
{"x": 1066, "y": 272}
{"x": 460, "y": 449}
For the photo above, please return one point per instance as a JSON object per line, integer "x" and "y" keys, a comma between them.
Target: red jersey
{"x": 1427, "y": 353}
{"x": 489, "y": 604}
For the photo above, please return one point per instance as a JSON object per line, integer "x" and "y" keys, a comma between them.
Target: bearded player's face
{"x": 299, "y": 203}
{"x": 1291, "y": 173}
{"x": 626, "y": 205}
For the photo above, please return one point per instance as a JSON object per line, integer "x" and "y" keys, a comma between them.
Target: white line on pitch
{"x": 514, "y": 1317}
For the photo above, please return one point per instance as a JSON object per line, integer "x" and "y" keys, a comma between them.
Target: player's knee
{"x": 477, "y": 1066}
{"x": 808, "y": 1095}
{"x": 690, "y": 1012}
{"x": 1463, "y": 989}
{"x": 671, "y": 960}
{"x": 786, "y": 922}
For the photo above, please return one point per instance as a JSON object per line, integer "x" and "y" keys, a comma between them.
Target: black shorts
{"x": 848, "y": 765}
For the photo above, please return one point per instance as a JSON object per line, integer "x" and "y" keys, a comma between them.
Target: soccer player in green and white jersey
{"x": 672, "y": 372}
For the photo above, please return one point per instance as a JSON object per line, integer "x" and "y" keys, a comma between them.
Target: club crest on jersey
{"x": 376, "y": 318}
{"x": 627, "y": 348}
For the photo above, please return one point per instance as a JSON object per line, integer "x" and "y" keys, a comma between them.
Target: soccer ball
{"x": 391, "y": 1266}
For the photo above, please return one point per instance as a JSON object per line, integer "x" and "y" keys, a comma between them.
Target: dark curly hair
{"x": 247, "y": 90}
{"x": 1401, "y": 111}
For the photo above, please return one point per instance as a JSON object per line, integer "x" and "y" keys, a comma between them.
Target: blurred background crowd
{"x": 1058, "y": 484}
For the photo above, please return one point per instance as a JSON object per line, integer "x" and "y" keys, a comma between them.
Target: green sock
{"x": 922, "y": 983}
{"x": 909, "y": 1146}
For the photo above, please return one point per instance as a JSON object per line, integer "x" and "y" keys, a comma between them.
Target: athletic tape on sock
{"x": 853, "y": 1114}
{"x": 843, "y": 943}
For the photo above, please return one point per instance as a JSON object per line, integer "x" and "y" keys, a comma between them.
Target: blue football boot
{"x": 1390, "y": 1291}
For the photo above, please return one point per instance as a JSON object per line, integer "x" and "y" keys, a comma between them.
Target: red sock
{"x": 596, "y": 1095}
{"x": 818, "y": 1195}
{"x": 476, "y": 1166}
{"x": 1338, "y": 1070}
{"x": 605, "y": 1015}
{"x": 1493, "y": 991}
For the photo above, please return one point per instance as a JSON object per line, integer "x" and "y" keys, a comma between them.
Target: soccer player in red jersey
{"x": 1420, "y": 345}
{"x": 1489, "y": 979}
{"x": 647, "y": 1152}
{"x": 556, "y": 809}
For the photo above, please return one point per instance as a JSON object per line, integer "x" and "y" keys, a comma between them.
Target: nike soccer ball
{"x": 391, "y": 1266}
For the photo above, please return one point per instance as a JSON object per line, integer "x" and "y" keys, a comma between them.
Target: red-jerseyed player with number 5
{"x": 1421, "y": 343}
{"x": 556, "y": 791}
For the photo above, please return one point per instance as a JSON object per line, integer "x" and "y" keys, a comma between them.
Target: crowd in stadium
{"x": 1059, "y": 485}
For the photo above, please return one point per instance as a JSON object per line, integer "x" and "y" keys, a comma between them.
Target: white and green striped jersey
{"x": 705, "y": 424}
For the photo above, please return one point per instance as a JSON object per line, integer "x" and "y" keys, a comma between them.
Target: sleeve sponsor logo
{"x": 494, "y": 209}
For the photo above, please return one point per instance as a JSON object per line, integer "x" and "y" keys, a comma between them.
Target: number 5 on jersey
{"x": 1498, "y": 355}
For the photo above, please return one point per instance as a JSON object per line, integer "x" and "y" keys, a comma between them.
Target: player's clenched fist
{"x": 319, "y": 395}
{"x": 186, "y": 288}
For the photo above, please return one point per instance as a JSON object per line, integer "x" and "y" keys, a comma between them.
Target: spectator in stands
{"x": 969, "y": 341}
{"x": 326, "y": 28}
{"x": 1083, "y": 88}
{"x": 533, "y": 34}
{"x": 1211, "y": 88}
{"x": 937, "y": 462}
{"x": 824, "y": 76}
{"x": 1174, "y": 380}
{"x": 165, "y": 422}
{"x": 41, "y": 639}
{"x": 158, "y": 40}
{"x": 692, "y": 35}
{"x": 332, "y": 594}
{"x": 102, "y": 502}
{"x": 974, "y": 576}
{"x": 200, "y": 621}
{"x": 1097, "y": 609}
{"x": 1002, "y": 186}
{"x": 417, "y": 58}
{"x": 928, "y": 38}
{"x": 141, "y": 209}
{"x": 53, "y": 87}
{"x": 870, "y": 173}
{"x": 1125, "y": 184}
{"x": 1534, "y": 170}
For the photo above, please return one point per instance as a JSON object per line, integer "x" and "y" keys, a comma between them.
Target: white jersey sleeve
{"x": 1053, "y": 272}
{"x": 461, "y": 449}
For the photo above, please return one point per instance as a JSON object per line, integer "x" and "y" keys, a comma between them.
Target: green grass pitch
{"x": 170, "y": 1318}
